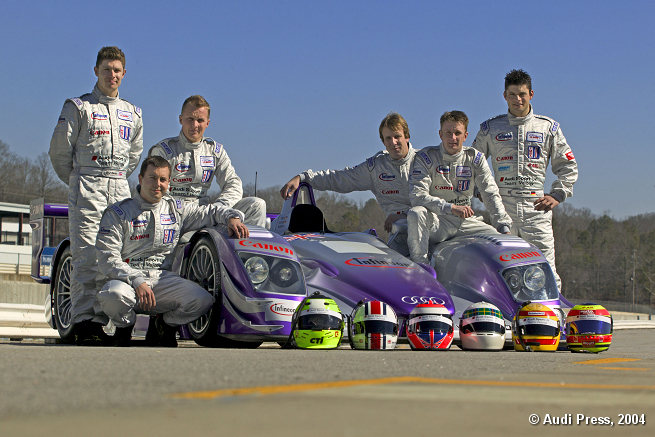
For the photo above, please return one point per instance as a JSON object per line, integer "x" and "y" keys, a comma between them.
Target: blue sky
{"x": 304, "y": 84}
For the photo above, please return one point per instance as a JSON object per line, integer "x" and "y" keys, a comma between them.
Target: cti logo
{"x": 317, "y": 340}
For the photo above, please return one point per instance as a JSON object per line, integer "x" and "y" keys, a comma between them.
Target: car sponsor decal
{"x": 443, "y": 187}
{"x": 124, "y": 115}
{"x": 265, "y": 246}
{"x": 506, "y": 257}
{"x": 124, "y": 132}
{"x": 167, "y": 219}
{"x": 139, "y": 237}
{"x": 99, "y": 132}
{"x": 98, "y": 116}
{"x": 414, "y": 300}
{"x": 463, "y": 171}
{"x": 376, "y": 262}
{"x": 504, "y": 158}
{"x": 136, "y": 223}
{"x": 169, "y": 236}
{"x": 463, "y": 184}
{"x": 389, "y": 192}
{"x": 443, "y": 169}
{"x": 302, "y": 237}
{"x": 535, "y": 137}
{"x": 534, "y": 152}
{"x": 206, "y": 161}
{"x": 386, "y": 177}
{"x": 506, "y": 136}
{"x": 280, "y": 309}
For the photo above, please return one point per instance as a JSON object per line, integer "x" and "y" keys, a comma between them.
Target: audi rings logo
{"x": 415, "y": 300}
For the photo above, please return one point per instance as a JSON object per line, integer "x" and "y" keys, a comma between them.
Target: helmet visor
{"x": 425, "y": 326}
{"x": 469, "y": 328}
{"x": 375, "y": 327}
{"x": 539, "y": 330}
{"x": 598, "y": 327}
{"x": 319, "y": 322}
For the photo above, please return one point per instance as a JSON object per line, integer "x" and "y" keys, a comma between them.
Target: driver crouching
{"x": 135, "y": 247}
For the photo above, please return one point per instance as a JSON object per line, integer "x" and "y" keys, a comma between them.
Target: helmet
{"x": 535, "y": 328}
{"x": 482, "y": 327}
{"x": 317, "y": 323}
{"x": 588, "y": 328}
{"x": 430, "y": 326}
{"x": 373, "y": 325}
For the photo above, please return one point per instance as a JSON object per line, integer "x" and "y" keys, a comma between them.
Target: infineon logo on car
{"x": 265, "y": 246}
{"x": 280, "y": 309}
{"x": 519, "y": 256}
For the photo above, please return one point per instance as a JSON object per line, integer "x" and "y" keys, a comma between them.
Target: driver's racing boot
{"x": 89, "y": 333}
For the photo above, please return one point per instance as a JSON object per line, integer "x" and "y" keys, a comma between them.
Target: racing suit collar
{"x": 187, "y": 144}
{"x": 400, "y": 162}
{"x": 446, "y": 157}
{"x": 103, "y": 98}
{"x": 514, "y": 121}
{"x": 141, "y": 201}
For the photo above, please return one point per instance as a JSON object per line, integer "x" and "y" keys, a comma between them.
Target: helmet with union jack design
{"x": 535, "y": 327}
{"x": 430, "y": 327}
{"x": 373, "y": 326}
{"x": 589, "y": 328}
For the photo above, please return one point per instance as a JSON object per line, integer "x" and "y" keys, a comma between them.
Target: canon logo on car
{"x": 265, "y": 246}
{"x": 522, "y": 255}
{"x": 415, "y": 300}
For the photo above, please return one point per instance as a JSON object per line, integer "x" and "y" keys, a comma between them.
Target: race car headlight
{"x": 531, "y": 282}
{"x": 283, "y": 274}
{"x": 257, "y": 269}
{"x": 534, "y": 278}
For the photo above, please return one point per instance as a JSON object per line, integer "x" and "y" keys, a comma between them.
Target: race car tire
{"x": 204, "y": 269}
{"x": 61, "y": 297}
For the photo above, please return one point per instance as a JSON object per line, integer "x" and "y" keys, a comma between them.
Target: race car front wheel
{"x": 61, "y": 297}
{"x": 204, "y": 269}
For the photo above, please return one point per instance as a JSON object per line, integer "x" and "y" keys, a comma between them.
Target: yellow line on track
{"x": 631, "y": 369}
{"x": 607, "y": 361}
{"x": 277, "y": 389}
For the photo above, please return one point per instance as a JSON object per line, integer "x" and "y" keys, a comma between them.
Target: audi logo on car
{"x": 415, "y": 300}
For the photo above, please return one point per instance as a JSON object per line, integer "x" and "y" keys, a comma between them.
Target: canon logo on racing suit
{"x": 522, "y": 255}
{"x": 386, "y": 177}
{"x": 182, "y": 179}
{"x": 99, "y": 132}
{"x": 139, "y": 237}
{"x": 443, "y": 187}
{"x": 414, "y": 300}
{"x": 390, "y": 191}
{"x": 504, "y": 158}
{"x": 265, "y": 246}
{"x": 534, "y": 165}
{"x": 182, "y": 167}
{"x": 372, "y": 262}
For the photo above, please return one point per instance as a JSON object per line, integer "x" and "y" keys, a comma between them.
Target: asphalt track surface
{"x": 104, "y": 391}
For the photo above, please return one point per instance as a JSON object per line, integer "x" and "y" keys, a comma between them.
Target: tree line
{"x": 599, "y": 258}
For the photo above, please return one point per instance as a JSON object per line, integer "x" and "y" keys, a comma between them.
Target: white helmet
{"x": 373, "y": 325}
{"x": 482, "y": 327}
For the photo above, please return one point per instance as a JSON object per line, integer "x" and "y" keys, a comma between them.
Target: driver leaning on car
{"x": 442, "y": 182}
{"x": 135, "y": 249}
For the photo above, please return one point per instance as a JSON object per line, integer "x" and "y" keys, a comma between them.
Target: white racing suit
{"x": 135, "y": 245}
{"x": 96, "y": 145}
{"x": 385, "y": 177}
{"x": 194, "y": 165}
{"x": 520, "y": 149}
{"x": 439, "y": 181}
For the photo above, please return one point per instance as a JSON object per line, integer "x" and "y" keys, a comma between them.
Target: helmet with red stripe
{"x": 535, "y": 328}
{"x": 430, "y": 327}
{"x": 373, "y": 325}
{"x": 588, "y": 328}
